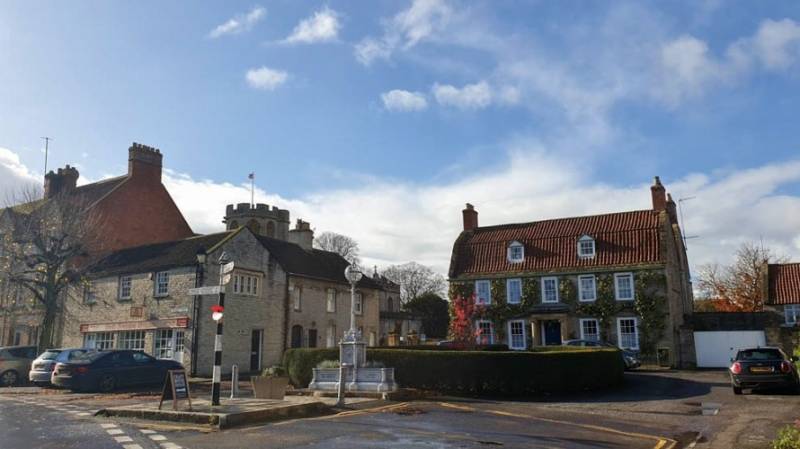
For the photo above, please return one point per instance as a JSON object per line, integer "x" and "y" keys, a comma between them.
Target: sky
{"x": 380, "y": 119}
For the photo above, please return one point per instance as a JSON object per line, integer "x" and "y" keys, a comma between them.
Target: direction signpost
{"x": 225, "y": 268}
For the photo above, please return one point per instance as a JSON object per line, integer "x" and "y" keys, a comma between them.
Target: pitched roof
{"x": 158, "y": 256}
{"x": 624, "y": 238}
{"x": 784, "y": 283}
{"x": 314, "y": 263}
{"x": 85, "y": 195}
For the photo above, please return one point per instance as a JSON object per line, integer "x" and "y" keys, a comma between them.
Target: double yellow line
{"x": 661, "y": 442}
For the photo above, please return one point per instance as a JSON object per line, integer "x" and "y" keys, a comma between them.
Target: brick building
{"x": 543, "y": 282}
{"x": 126, "y": 211}
{"x": 781, "y": 284}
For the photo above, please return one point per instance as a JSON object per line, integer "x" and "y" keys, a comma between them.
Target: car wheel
{"x": 107, "y": 383}
{"x": 9, "y": 378}
{"x": 737, "y": 390}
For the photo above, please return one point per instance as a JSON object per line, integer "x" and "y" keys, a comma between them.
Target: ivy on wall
{"x": 649, "y": 303}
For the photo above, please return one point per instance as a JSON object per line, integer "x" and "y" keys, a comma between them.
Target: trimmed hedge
{"x": 550, "y": 370}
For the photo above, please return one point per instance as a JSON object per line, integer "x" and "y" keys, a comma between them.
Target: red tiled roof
{"x": 784, "y": 283}
{"x": 625, "y": 238}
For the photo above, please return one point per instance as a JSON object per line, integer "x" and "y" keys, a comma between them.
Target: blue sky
{"x": 380, "y": 119}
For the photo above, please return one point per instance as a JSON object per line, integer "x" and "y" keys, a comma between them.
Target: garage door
{"x": 715, "y": 349}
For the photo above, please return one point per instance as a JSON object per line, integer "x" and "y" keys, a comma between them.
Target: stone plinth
{"x": 380, "y": 380}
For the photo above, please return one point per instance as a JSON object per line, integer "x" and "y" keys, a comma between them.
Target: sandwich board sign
{"x": 176, "y": 388}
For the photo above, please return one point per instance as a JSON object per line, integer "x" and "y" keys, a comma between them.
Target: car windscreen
{"x": 89, "y": 356}
{"x": 50, "y": 354}
{"x": 759, "y": 354}
{"x": 72, "y": 354}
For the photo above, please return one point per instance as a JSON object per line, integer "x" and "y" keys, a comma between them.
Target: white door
{"x": 715, "y": 349}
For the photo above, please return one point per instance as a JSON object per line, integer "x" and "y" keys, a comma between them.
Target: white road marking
{"x": 108, "y": 425}
{"x": 157, "y": 437}
{"x": 131, "y": 446}
{"x": 147, "y": 431}
{"x": 115, "y": 431}
{"x": 84, "y": 414}
{"x": 169, "y": 445}
{"x": 124, "y": 439}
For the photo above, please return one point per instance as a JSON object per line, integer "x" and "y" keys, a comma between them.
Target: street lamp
{"x": 353, "y": 275}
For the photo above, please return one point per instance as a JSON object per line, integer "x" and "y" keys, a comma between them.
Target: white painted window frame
{"x": 524, "y": 336}
{"x": 510, "y": 252}
{"x": 795, "y": 313}
{"x": 158, "y": 283}
{"x": 596, "y": 325}
{"x": 544, "y": 294}
{"x": 581, "y": 289}
{"x": 330, "y": 300}
{"x": 359, "y": 305}
{"x": 586, "y": 238}
{"x": 635, "y": 331}
{"x": 120, "y": 287}
{"x": 488, "y": 285}
{"x": 297, "y": 298}
{"x": 508, "y": 290}
{"x": 480, "y": 337}
{"x": 617, "y": 277}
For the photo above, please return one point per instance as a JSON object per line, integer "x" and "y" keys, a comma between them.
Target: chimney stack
{"x": 65, "y": 180}
{"x": 659, "y": 195}
{"x": 144, "y": 162}
{"x": 470, "y": 217}
{"x": 302, "y": 235}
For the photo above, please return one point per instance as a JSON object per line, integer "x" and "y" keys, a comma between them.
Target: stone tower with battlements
{"x": 261, "y": 219}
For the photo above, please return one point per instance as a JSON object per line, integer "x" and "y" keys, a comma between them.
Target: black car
{"x": 107, "y": 370}
{"x": 761, "y": 368}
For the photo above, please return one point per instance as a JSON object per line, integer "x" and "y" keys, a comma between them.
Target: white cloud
{"x": 403, "y": 101}
{"x": 421, "y": 21}
{"x": 265, "y": 78}
{"x": 14, "y": 176}
{"x": 323, "y": 26}
{"x": 396, "y": 222}
{"x": 240, "y": 23}
{"x": 688, "y": 68}
{"x": 776, "y": 44}
{"x": 471, "y": 96}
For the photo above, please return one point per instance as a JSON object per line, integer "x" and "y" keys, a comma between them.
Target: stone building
{"x": 544, "y": 282}
{"x": 397, "y": 326}
{"x": 130, "y": 210}
{"x": 283, "y": 293}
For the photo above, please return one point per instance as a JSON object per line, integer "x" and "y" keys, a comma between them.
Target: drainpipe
{"x": 198, "y": 282}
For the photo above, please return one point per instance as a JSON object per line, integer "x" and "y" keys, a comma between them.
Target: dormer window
{"x": 586, "y": 247}
{"x": 516, "y": 252}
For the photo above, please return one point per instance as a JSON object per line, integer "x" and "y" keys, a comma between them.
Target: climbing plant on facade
{"x": 650, "y": 305}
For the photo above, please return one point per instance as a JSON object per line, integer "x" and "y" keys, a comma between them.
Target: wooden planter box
{"x": 269, "y": 387}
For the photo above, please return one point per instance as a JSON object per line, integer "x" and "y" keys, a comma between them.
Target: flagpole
{"x": 252, "y": 190}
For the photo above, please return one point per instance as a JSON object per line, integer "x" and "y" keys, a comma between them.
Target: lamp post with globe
{"x": 353, "y": 275}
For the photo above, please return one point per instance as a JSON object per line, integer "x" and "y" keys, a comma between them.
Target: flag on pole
{"x": 251, "y": 176}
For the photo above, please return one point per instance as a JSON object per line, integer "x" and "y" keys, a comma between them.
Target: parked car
{"x": 108, "y": 370}
{"x": 42, "y": 368}
{"x": 15, "y": 362}
{"x": 631, "y": 358}
{"x": 761, "y": 368}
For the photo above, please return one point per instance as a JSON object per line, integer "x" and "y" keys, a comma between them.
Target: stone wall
{"x": 313, "y": 312}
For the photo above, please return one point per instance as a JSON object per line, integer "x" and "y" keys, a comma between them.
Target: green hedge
{"x": 480, "y": 372}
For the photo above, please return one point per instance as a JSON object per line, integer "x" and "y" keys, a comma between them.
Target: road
{"x": 651, "y": 411}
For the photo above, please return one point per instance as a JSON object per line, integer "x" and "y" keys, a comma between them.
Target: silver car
{"x": 42, "y": 367}
{"x": 15, "y": 362}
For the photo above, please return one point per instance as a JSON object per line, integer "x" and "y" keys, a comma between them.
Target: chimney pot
{"x": 144, "y": 162}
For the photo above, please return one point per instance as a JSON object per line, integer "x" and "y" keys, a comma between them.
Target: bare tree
{"x": 415, "y": 280}
{"x": 43, "y": 250}
{"x": 339, "y": 244}
{"x": 739, "y": 286}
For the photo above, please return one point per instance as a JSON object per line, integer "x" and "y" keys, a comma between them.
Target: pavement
{"x": 658, "y": 410}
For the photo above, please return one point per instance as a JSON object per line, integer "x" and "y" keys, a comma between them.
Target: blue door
{"x": 552, "y": 332}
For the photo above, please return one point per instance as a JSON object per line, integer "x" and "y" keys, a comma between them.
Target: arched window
{"x": 586, "y": 247}
{"x": 297, "y": 336}
{"x": 270, "y": 229}
{"x": 254, "y": 226}
{"x": 390, "y": 303}
{"x": 516, "y": 252}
